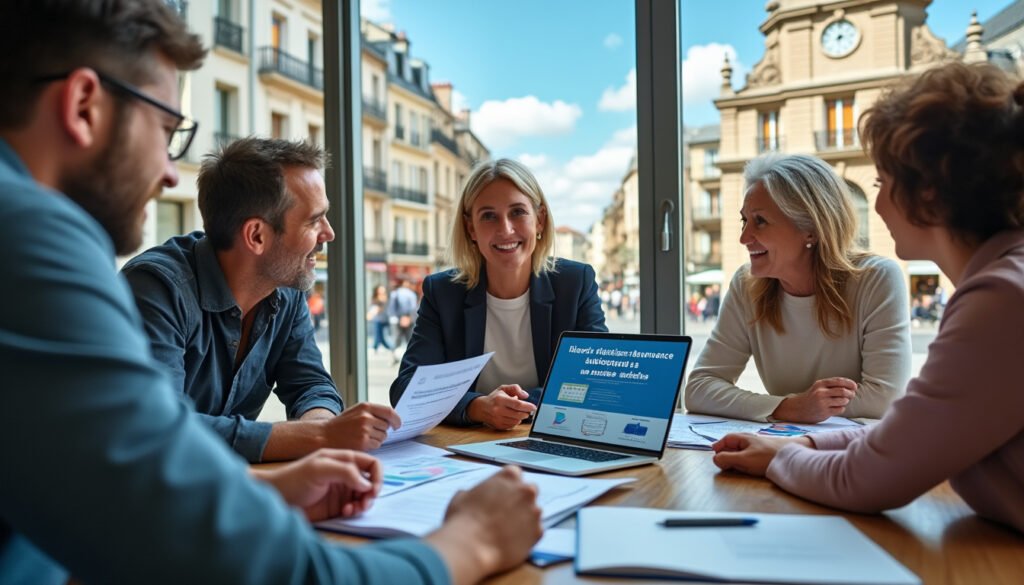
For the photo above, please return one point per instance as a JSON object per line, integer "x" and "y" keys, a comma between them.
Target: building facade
{"x": 264, "y": 77}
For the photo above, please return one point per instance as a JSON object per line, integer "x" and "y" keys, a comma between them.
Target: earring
{"x": 808, "y": 245}
{"x": 538, "y": 236}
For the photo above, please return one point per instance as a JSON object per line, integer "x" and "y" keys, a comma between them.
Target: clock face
{"x": 840, "y": 38}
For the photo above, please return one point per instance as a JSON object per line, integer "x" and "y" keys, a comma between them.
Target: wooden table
{"x": 937, "y": 536}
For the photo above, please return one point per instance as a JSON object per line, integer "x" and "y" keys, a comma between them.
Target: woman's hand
{"x": 502, "y": 409}
{"x": 751, "y": 454}
{"x": 327, "y": 483}
{"x": 825, "y": 398}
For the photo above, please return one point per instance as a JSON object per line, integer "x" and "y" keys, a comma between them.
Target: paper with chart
{"x": 418, "y": 511}
{"x": 408, "y": 464}
{"x": 698, "y": 431}
{"x": 432, "y": 393}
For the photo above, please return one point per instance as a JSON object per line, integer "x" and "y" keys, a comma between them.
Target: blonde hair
{"x": 810, "y": 193}
{"x": 464, "y": 254}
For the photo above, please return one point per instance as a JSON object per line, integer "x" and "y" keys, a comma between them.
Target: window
{"x": 277, "y": 24}
{"x": 224, "y": 123}
{"x": 420, "y": 230}
{"x": 768, "y": 131}
{"x": 840, "y": 129}
{"x": 710, "y": 163}
{"x": 314, "y": 134}
{"x": 399, "y": 127}
{"x": 278, "y": 125}
{"x": 170, "y": 219}
{"x": 312, "y": 50}
{"x": 414, "y": 128}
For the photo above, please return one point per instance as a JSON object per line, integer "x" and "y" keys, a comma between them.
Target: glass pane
{"x": 762, "y": 76}
{"x": 435, "y": 103}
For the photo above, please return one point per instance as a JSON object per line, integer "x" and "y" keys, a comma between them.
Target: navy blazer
{"x": 452, "y": 319}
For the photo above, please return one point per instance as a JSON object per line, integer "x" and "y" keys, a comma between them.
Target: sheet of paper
{"x": 410, "y": 473}
{"x": 418, "y": 511}
{"x": 698, "y": 431}
{"x": 432, "y": 393}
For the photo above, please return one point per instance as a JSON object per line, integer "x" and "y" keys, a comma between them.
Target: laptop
{"x": 607, "y": 403}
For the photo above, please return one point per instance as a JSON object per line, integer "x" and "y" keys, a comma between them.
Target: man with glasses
{"x": 226, "y": 310}
{"x": 107, "y": 475}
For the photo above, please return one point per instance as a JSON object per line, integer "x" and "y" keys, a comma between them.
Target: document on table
{"x": 416, "y": 512}
{"x": 779, "y": 548}
{"x": 408, "y": 464}
{"x": 432, "y": 393}
{"x": 698, "y": 431}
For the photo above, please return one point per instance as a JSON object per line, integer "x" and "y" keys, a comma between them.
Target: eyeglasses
{"x": 184, "y": 130}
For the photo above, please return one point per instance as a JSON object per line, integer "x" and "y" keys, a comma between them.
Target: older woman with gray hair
{"x": 826, "y": 323}
{"x": 507, "y": 294}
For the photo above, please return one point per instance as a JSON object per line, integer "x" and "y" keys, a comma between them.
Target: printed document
{"x": 699, "y": 431}
{"x": 432, "y": 393}
{"x": 418, "y": 511}
{"x": 408, "y": 464}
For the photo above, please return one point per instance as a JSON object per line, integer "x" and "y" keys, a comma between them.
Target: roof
{"x": 1006, "y": 20}
{"x": 708, "y": 133}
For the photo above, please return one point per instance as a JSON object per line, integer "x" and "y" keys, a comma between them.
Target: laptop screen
{"x": 616, "y": 389}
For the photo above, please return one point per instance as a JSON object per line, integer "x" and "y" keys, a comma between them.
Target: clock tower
{"x": 824, "y": 63}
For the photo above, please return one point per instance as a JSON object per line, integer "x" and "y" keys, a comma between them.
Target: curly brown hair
{"x": 952, "y": 139}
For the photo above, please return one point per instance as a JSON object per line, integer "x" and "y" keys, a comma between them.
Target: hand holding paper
{"x": 432, "y": 393}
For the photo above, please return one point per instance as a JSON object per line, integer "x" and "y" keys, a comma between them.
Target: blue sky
{"x": 549, "y": 81}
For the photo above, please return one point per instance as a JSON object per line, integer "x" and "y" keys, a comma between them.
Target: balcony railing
{"x": 836, "y": 139}
{"x": 408, "y": 194}
{"x": 274, "y": 60}
{"x": 711, "y": 172}
{"x": 376, "y": 179}
{"x": 227, "y": 34}
{"x": 222, "y": 139}
{"x": 706, "y": 214}
{"x": 372, "y": 107}
{"x": 399, "y": 132}
{"x": 414, "y": 249}
{"x": 440, "y": 138}
{"x": 769, "y": 143}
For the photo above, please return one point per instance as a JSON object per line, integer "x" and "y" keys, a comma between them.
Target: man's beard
{"x": 283, "y": 269}
{"x": 111, "y": 190}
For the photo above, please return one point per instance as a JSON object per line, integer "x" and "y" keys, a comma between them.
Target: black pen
{"x": 706, "y": 522}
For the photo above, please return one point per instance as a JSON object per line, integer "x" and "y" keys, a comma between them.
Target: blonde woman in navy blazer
{"x": 506, "y": 294}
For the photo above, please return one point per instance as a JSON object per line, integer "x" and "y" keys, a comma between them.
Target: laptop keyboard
{"x": 564, "y": 450}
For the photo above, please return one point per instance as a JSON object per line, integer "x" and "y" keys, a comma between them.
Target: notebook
{"x": 779, "y": 548}
{"x": 607, "y": 403}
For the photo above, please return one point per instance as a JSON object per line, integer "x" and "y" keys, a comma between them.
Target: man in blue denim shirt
{"x": 108, "y": 476}
{"x": 226, "y": 313}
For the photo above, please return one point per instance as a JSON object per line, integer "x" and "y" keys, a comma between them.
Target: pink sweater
{"x": 962, "y": 418}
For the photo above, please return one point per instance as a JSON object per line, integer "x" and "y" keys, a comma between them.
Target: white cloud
{"x": 376, "y": 10}
{"x": 501, "y": 123}
{"x": 622, "y": 98}
{"x": 612, "y": 41}
{"x": 702, "y": 80}
{"x": 581, "y": 188}
{"x": 459, "y": 101}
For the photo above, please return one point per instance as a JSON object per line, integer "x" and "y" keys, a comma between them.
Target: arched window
{"x": 860, "y": 208}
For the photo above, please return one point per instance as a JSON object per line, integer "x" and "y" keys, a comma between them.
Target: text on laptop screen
{"x": 616, "y": 391}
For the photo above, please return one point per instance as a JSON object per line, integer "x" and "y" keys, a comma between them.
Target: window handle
{"x": 667, "y": 207}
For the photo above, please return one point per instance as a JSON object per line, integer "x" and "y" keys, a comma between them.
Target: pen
{"x": 706, "y": 522}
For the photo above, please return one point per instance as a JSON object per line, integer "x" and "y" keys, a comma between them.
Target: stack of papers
{"x": 698, "y": 431}
{"x": 778, "y": 548}
{"x": 400, "y": 511}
